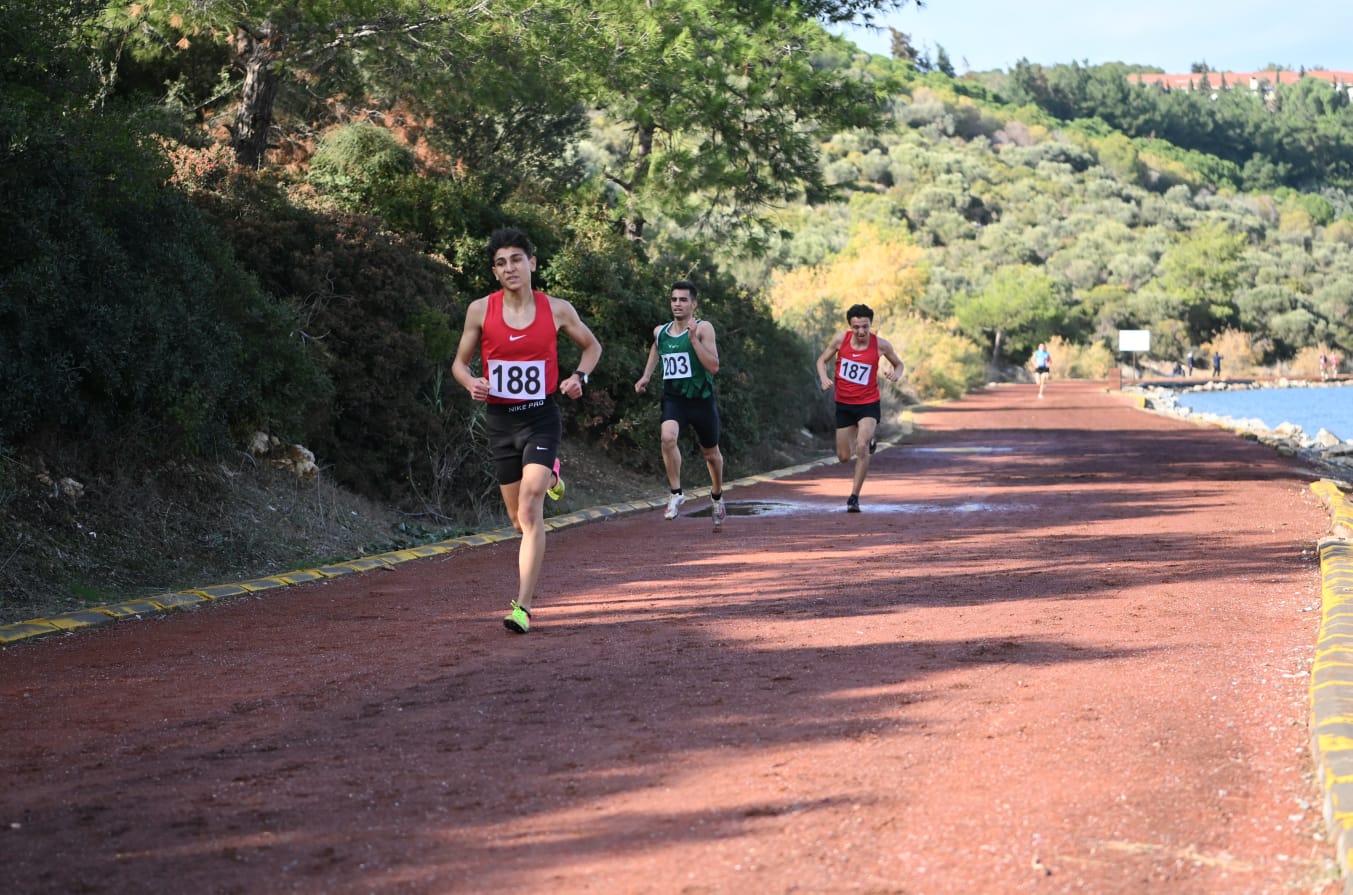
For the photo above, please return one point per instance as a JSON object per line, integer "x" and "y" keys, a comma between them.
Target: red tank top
{"x": 857, "y": 372}
{"x": 521, "y": 364}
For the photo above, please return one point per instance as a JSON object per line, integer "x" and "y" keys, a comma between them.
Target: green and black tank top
{"x": 682, "y": 373}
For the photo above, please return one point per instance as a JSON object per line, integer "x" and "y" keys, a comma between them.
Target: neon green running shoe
{"x": 518, "y": 620}
{"x": 556, "y": 491}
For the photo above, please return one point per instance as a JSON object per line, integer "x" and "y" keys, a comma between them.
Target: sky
{"x": 1237, "y": 35}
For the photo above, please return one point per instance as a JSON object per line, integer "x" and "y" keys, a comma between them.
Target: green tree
{"x": 1019, "y": 304}
{"x": 721, "y": 109}
{"x": 1117, "y": 153}
{"x": 1201, "y": 273}
{"x": 942, "y": 63}
{"x": 901, "y": 47}
{"x": 121, "y": 312}
{"x": 273, "y": 44}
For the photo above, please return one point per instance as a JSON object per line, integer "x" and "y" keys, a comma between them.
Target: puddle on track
{"x": 795, "y": 508}
{"x": 974, "y": 449}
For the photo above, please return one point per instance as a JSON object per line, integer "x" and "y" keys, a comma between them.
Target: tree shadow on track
{"x": 406, "y": 785}
{"x": 386, "y": 735}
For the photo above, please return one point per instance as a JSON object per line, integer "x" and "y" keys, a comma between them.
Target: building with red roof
{"x": 1259, "y": 81}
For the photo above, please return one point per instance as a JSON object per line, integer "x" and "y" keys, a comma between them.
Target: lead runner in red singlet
{"x": 515, "y": 333}
{"x": 858, "y": 400}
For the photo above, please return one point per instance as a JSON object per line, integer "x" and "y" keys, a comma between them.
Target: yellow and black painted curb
{"x": 1332, "y": 678}
{"x": 68, "y": 622}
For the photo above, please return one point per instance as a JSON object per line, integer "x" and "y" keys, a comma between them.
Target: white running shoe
{"x": 674, "y": 506}
{"x": 719, "y": 512}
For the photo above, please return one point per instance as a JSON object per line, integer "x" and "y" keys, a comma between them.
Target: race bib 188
{"x": 517, "y": 380}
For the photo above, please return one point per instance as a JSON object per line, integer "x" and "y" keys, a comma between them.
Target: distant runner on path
{"x": 856, "y": 380}
{"x": 515, "y": 332}
{"x": 1042, "y": 366}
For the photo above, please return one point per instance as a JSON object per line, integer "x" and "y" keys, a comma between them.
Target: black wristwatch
{"x": 581, "y": 375}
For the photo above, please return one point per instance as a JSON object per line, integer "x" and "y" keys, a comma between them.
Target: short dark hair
{"x": 859, "y": 311}
{"x": 687, "y": 285}
{"x": 510, "y": 237}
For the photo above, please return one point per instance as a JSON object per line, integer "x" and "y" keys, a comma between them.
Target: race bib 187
{"x": 854, "y": 371}
{"x": 517, "y": 380}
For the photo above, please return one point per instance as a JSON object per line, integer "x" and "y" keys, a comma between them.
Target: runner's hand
{"x": 571, "y": 387}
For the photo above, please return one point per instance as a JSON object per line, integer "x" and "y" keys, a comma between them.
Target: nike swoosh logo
{"x": 515, "y": 338}
{"x": 539, "y": 448}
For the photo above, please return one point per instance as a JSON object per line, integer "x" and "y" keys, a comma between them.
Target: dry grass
{"x": 174, "y": 527}
{"x": 181, "y": 526}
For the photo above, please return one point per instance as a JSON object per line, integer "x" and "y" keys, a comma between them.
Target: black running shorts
{"x": 520, "y": 434}
{"x": 848, "y": 415}
{"x": 701, "y": 414}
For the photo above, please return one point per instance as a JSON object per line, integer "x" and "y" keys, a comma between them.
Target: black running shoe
{"x": 853, "y": 503}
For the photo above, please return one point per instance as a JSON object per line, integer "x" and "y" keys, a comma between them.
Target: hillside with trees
{"x": 230, "y": 219}
{"x": 1024, "y": 228}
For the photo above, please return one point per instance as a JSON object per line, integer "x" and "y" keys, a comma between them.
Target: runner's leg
{"x": 714, "y": 463}
{"x": 671, "y": 452}
{"x": 531, "y": 523}
{"x": 865, "y": 432}
{"x": 845, "y": 441}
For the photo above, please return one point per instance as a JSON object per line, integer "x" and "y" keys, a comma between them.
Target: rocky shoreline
{"x": 1324, "y": 447}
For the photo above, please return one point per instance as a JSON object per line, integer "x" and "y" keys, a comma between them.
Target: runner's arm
{"x": 705, "y": 345}
{"x": 568, "y": 322}
{"x": 832, "y": 347}
{"x": 477, "y": 386}
{"x": 642, "y": 385}
{"x": 886, "y": 349}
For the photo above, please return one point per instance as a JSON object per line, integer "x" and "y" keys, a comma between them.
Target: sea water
{"x": 1328, "y": 407}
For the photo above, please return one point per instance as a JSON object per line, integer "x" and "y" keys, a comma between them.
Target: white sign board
{"x": 1134, "y": 340}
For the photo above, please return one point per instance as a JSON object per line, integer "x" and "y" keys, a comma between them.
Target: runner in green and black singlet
{"x": 689, "y": 354}
{"x": 682, "y": 373}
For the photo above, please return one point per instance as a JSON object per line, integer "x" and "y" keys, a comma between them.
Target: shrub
{"x": 1239, "y": 350}
{"x": 375, "y": 313}
{"x": 125, "y": 312}
{"x": 1080, "y": 361}
{"x": 939, "y": 364}
{"x": 1307, "y": 361}
{"x": 354, "y": 160}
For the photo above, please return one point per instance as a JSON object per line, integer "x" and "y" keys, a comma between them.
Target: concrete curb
{"x": 70, "y": 622}
{"x": 1332, "y": 678}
